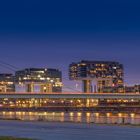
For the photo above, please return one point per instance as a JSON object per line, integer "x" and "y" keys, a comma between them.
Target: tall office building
{"x": 105, "y": 74}
{"x": 38, "y": 80}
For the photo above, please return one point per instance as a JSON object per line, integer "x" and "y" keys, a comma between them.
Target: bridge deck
{"x": 70, "y": 95}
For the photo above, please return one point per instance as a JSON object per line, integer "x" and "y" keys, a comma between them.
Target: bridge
{"x": 127, "y": 96}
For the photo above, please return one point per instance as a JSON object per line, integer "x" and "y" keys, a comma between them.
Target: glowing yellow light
{"x": 3, "y": 113}
{"x": 97, "y": 114}
{"x": 71, "y": 101}
{"x": 71, "y": 114}
{"x": 48, "y": 78}
{"x": 88, "y": 114}
{"x": 79, "y": 114}
{"x": 108, "y": 114}
{"x": 62, "y": 101}
{"x": 132, "y": 115}
{"x": 62, "y": 113}
{"x": 79, "y": 101}
{"x": 120, "y": 114}
{"x": 45, "y": 113}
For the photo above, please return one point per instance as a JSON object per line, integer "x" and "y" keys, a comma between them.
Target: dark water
{"x": 83, "y": 117}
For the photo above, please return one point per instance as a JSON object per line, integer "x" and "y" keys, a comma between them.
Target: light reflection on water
{"x": 88, "y": 117}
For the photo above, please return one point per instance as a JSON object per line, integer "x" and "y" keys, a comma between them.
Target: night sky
{"x": 35, "y": 33}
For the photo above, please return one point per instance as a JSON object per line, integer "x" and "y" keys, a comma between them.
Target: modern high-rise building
{"x": 7, "y": 82}
{"x": 132, "y": 89}
{"x": 105, "y": 74}
{"x": 38, "y": 80}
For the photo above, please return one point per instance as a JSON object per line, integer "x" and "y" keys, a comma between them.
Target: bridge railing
{"x": 69, "y": 93}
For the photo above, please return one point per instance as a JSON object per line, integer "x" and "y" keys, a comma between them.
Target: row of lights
{"x": 79, "y": 114}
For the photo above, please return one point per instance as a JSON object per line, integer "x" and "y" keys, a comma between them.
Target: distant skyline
{"x": 53, "y": 34}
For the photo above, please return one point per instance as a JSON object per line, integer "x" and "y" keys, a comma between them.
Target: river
{"x": 74, "y": 117}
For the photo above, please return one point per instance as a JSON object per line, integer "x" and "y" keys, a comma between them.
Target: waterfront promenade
{"x": 103, "y": 102}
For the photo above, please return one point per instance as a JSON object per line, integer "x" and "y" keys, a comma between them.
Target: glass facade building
{"x": 105, "y": 74}
{"x": 38, "y": 80}
{"x": 7, "y": 82}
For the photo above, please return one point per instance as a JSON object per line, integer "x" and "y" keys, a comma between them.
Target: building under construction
{"x": 106, "y": 75}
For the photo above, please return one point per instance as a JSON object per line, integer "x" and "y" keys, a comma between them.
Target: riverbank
{"x": 13, "y": 138}
{"x": 101, "y": 109}
{"x": 69, "y": 122}
{"x": 67, "y": 131}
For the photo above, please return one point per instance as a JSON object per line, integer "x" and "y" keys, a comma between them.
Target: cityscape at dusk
{"x": 35, "y": 35}
{"x": 67, "y": 64}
